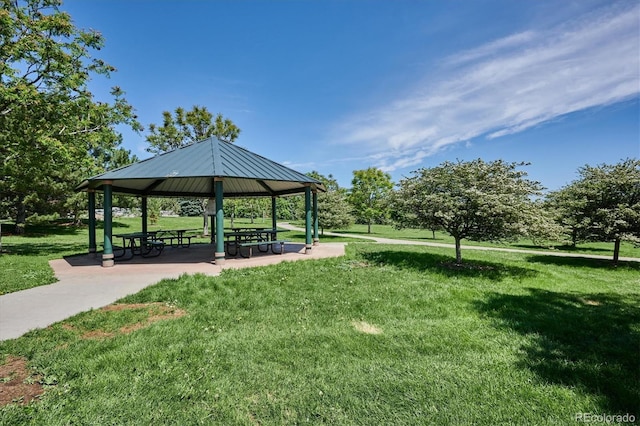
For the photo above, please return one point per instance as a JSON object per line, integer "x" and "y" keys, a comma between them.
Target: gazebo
{"x": 207, "y": 169}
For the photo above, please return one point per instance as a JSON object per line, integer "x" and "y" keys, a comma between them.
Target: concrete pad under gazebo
{"x": 207, "y": 169}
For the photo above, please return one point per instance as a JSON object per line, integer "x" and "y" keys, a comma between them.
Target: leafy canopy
{"x": 53, "y": 133}
{"x": 476, "y": 200}
{"x": 334, "y": 211}
{"x": 602, "y": 205}
{"x": 185, "y": 127}
{"x": 369, "y": 193}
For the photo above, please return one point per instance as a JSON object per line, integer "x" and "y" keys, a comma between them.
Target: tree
{"x": 368, "y": 196}
{"x": 603, "y": 204}
{"x": 190, "y": 207}
{"x": 186, "y": 127}
{"x": 77, "y": 202}
{"x": 51, "y": 127}
{"x": 470, "y": 200}
{"x": 334, "y": 211}
{"x": 566, "y": 208}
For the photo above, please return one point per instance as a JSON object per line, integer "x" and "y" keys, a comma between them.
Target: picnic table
{"x": 176, "y": 237}
{"x": 138, "y": 244}
{"x": 263, "y": 238}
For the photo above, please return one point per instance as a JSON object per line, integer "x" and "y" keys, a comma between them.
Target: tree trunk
{"x": 458, "y": 252}
{"x": 368, "y": 227}
{"x": 205, "y": 222}
{"x": 616, "y": 252}
{"x": 205, "y": 219}
{"x": 433, "y": 231}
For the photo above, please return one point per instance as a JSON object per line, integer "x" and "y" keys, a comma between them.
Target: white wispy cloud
{"x": 507, "y": 86}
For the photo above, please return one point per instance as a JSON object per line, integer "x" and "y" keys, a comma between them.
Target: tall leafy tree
{"x": 186, "y": 127}
{"x": 75, "y": 203}
{"x": 566, "y": 206}
{"x": 369, "y": 195}
{"x": 472, "y": 200}
{"x": 334, "y": 211}
{"x": 603, "y": 204}
{"x": 51, "y": 126}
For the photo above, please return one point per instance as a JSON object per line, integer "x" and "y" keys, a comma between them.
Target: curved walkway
{"x": 452, "y": 246}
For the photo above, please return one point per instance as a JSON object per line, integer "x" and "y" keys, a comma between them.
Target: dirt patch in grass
{"x": 590, "y": 302}
{"x": 156, "y": 312}
{"x": 365, "y": 327}
{"x": 17, "y": 384}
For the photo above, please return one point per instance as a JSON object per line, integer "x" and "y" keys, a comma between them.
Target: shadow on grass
{"x": 588, "y": 341}
{"x": 566, "y": 248}
{"x": 39, "y": 231}
{"x": 45, "y": 248}
{"x": 445, "y": 265}
{"x": 582, "y": 262}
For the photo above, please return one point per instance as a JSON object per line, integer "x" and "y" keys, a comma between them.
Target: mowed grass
{"x": 24, "y": 261}
{"x": 385, "y": 335}
{"x": 627, "y": 249}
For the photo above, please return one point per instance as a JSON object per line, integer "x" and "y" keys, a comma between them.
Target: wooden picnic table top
{"x": 178, "y": 231}
{"x": 137, "y": 234}
{"x": 254, "y": 232}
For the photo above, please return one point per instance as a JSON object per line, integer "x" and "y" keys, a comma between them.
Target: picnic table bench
{"x": 271, "y": 243}
{"x": 262, "y": 238}
{"x": 143, "y": 244}
{"x": 176, "y": 237}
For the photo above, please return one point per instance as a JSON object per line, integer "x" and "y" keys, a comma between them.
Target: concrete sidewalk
{"x": 83, "y": 284}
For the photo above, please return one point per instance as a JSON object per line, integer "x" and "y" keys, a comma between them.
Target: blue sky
{"x": 338, "y": 86}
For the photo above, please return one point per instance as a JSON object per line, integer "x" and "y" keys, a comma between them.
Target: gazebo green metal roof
{"x": 192, "y": 169}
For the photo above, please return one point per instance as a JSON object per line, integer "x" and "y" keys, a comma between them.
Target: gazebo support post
{"x": 274, "y": 221}
{"x": 307, "y": 219}
{"x": 144, "y": 214}
{"x": 107, "y": 253}
{"x": 92, "y": 222}
{"x": 316, "y": 237}
{"x": 219, "y": 254}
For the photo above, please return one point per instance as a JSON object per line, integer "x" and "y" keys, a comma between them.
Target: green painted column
{"x": 316, "y": 236}
{"x": 274, "y": 219}
{"x": 92, "y": 222}
{"x": 145, "y": 214}
{"x": 107, "y": 254}
{"x": 307, "y": 219}
{"x": 219, "y": 254}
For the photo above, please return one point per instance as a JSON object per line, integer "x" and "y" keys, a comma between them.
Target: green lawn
{"x": 385, "y": 335}
{"x": 387, "y": 231}
{"x": 25, "y": 261}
